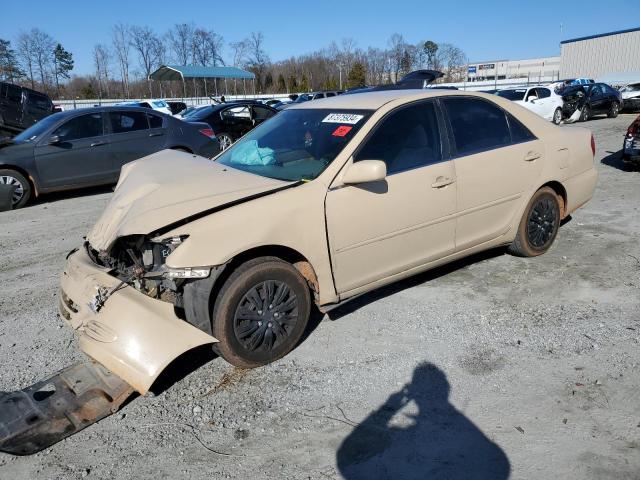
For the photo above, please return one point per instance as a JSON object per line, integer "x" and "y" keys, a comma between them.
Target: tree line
{"x": 122, "y": 65}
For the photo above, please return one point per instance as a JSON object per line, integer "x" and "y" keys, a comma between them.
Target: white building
{"x": 538, "y": 70}
{"x": 598, "y": 55}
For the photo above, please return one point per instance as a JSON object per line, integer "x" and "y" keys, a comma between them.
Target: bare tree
{"x": 25, "y": 52}
{"x": 149, "y": 49}
{"x": 42, "y": 47}
{"x": 452, "y": 60}
{"x": 101, "y": 60}
{"x": 258, "y": 59}
{"x": 180, "y": 40}
{"x": 120, "y": 37}
{"x": 239, "y": 50}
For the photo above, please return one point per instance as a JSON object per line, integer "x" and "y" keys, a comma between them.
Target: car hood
{"x": 167, "y": 187}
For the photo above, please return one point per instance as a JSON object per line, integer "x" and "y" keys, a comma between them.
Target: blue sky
{"x": 484, "y": 29}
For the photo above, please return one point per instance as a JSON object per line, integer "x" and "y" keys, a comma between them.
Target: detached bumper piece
{"x": 45, "y": 413}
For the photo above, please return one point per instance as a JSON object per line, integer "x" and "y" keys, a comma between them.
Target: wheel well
{"x": 561, "y": 192}
{"x": 25, "y": 174}
{"x": 182, "y": 149}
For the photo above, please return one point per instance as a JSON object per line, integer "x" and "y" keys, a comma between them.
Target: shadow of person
{"x": 439, "y": 443}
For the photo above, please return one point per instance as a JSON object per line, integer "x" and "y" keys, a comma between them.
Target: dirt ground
{"x": 494, "y": 367}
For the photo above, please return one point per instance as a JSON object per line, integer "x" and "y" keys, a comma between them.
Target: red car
{"x": 631, "y": 146}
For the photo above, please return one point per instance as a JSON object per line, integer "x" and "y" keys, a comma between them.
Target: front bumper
{"x": 632, "y": 104}
{"x": 133, "y": 335}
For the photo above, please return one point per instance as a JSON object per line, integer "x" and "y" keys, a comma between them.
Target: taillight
{"x": 593, "y": 145}
{"x": 632, "y": 131}
{"x": 207, "y": 132}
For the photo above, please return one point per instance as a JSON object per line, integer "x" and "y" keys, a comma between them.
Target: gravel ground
{"x": 493, "y": 367}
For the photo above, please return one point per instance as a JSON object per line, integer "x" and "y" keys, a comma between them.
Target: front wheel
{"x": 586, "y": 113}
{"x": 261, "y": 312}
{"x": 22, "y": 192}
{"x": 614, "y": 110}
{"x": 557, "y": 116}
{"x": 539, "y": 225}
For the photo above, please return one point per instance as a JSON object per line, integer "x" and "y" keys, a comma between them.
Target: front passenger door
{"x": 377, "y": 230}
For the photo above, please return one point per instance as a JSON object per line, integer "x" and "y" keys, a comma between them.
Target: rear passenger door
{"x": 131, "y": 138}
{"x": 259, "y": 114}
{"x": 497, "y": 162}
{"x": 381, "y": 229}
{"x": 80, "y": 156}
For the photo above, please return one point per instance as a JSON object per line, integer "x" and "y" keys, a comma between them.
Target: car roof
{"x": 375, "y": 100}
{"x": 89, "y": 110}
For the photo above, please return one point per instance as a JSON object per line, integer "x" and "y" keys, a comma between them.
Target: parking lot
{"x": 526, "y": 367}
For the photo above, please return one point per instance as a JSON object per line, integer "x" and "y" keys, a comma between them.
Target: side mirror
{"x": 365, "y": 171}
{"x": 54, "y": 139}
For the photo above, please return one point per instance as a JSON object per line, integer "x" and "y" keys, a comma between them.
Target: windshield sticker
{"x": 341, "y": 131}
{"x": 350, "y": 118}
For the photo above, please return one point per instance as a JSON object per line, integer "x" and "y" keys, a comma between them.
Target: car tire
{"x": 539, "y": 225}
{"x": 261, "y": 312}
{"x": 586, "y": 113}
{"x": 23, "y": 191}
{"x": 557, "y": 116}
{"x": 225, "y": 140}
{"x": 614, "y": 110}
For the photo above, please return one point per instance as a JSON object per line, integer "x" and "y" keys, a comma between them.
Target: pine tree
{"x": 282, "y": 86}
{"x": 9, "y": 66}
{"x": 357, "y": 76}
{"x": 62, "y": 65}
{"x": 304, "y": 84}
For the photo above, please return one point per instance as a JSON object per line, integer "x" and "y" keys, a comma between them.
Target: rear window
{"x": 122, "y": 122}
{"x": 512, "y": 94}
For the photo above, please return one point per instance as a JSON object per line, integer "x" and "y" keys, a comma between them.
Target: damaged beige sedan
{"x": 323, "y": 202}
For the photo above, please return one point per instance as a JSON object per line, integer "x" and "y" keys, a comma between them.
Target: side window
{"x": 261, "y": 113}
{"x": 543, "y": 92}
{"x": 531, "y": 94}
{"x": 38, "y": 101}
{"x": 237, "y": 112}
{"x": 519, "y": 133}
{"x": 331, "y": 94}
{"x": 405, "y": 139}
{"x": 155, "y": 121}
{"x": 477, "y": 125}
{"x": 122, "y": 122}
{"x": 84, "y": 126}
{"x": 14, "y": 93}
{"x": 3, "y": 90}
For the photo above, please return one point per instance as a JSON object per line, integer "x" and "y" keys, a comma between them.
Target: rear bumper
{"x": 133, "y": 335}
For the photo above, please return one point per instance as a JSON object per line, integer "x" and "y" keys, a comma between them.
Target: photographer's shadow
{"x": 441, "y": 443}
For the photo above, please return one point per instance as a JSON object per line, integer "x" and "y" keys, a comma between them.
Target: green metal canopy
{"x": 181, "y": 72}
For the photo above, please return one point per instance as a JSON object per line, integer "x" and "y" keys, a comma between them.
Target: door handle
{"x": 98, "y": 144}
{"x": 157, "y": 134}
{"x": 531, "y": 156}
{"x": 442, "y": 182}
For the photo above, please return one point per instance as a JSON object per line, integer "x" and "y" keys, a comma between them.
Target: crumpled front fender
{"x": 133, "y": 335}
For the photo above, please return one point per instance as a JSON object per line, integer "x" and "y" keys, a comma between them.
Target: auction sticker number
{"x": 350, "y": 118}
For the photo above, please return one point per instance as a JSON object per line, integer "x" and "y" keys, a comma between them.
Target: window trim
{"x": 444, "y": 147}
{"x": 452, "y": 144}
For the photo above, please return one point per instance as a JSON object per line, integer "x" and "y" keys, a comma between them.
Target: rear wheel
{"x": 261, "y": 312}
{"x": 22, "y": 192}
{"x": 557, "y": 116}
{"x": 614, "y": 110}
{"x": 225, "y": 140}
{"x": 539, "y": 225}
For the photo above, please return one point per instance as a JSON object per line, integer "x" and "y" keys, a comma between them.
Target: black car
{"x": 232, "y": 120}
{"x": 21, "y": 107}
{"x": 86, "y": 147}
{"x": 591, "y": 99}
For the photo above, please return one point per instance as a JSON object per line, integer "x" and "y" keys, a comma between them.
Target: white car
{"x": 631, "y": 96}
{"x": 155, "y": 104}
{"x": 539, "y": 99}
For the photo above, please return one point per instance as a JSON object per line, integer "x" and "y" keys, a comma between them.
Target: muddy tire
{"x": 261, "y": 312}
{"x": 539, "y": 225}
{"x": 225, "y": 140}
{"x": 557, "y": 116}
{"x": 22, "y": 193}
{"x": 614, "y": 110}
